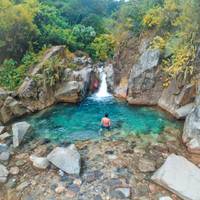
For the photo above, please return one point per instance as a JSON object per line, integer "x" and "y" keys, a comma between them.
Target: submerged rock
{"x": 66, "y": 159}
{"x": 39, "y": 162}
{"x": 179, "y": 176}
{"x": 3, "y": 173}
{"x": 20, "y": 129}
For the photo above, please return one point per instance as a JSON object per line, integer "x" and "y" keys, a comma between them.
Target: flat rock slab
{"x": 20, "y": 129}
{"x": 66, "y": 159}
{"x": 180, "y": 176}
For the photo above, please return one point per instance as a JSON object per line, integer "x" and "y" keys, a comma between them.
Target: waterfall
{"x": 103, "y": 89}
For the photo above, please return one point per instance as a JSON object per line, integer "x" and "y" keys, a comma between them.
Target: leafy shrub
{"x": 103, "y": 47}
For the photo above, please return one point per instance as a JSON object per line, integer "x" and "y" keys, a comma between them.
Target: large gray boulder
{"x": 66, "y": 159}
{"x": 20, "y": 129}
{"x": 180, "y": 176}
{"x": 69, "y": 92}
{"x": 2, "y": 129}
{"x": 11, "y": 109}
{"x": 191, "y": 131}
{"x": 145, "y": 86}
{"x": 177, "y": 99}
{"x": 3, "y": 173}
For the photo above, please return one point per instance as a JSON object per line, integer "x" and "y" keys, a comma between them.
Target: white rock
{"x": 179, "y": 176}
{"x": 165, "y": 198}
{"x": 14, "y": 170}
{"x": 3, "y": 173}
{"x": 4, "y": 136}
{"x": 2, "y": 129}
{"x": 20, "y": 129}
{"x": 39, "y": 162}
{"x": 66, "y": 159}
{"x": 125, "y": 191}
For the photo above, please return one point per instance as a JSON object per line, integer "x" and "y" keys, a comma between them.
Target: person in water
{"x": 106, "y": 122}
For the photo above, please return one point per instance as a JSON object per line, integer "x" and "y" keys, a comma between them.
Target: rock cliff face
{"x": 10, "y": 107}
{"x": 144, "y": 86}
{"x": 178, "y": 100}
{"x": 32, "y": 95}
{"x": 72, "y": 87}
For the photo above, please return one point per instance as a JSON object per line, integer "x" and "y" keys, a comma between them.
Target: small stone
{"x": 165, "y": 198}
{"x": 120, "y": 193}
{"x": 74, "y": 188}
{"x": 4, "y": 156}
{"x": 70, "y": 194}
{"x": 4, "y": 136}
{"x": 14, "y": 170}
{"x": 11, "y": 183}
{"x": 22, "y": 185}
{"x": 20, "y": 163}
{"x": 125, "y": 191}
{"x": 39, "y": 162}
{"x": 97, "y": 197}
{"x": 112, "y": 157}
{"x": 77, "y": 182}
{"x": 2, "y": 129}
{"x": 60, "y": 189}
{"x": 146, "y": 165}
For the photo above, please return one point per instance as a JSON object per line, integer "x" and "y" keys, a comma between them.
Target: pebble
{"x": 165, "y": 198}
{"x": 20, "y": 163}
{"x": 14, "y": 170}
{"x": 11, "y": 183}
{"x": 4, "y": 156}
{"x": 23, "y": 185}
{"x": 77, "y": 182}
{"x": 146, "y": 165}
{"x": 60, "y": 189}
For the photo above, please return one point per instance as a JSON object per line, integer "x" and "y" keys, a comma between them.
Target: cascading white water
{"x": 103, "y": 89}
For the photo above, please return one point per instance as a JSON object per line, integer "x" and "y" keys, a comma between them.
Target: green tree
{"x": 17, "y": 28}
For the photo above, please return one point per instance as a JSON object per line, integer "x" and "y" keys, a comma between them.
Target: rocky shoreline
{"x": 109, "y": 169}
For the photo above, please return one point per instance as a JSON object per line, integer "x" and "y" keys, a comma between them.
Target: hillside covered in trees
{"x": 99, "y": 28}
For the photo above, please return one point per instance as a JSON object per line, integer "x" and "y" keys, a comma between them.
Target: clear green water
{"x": 80, "y": 122}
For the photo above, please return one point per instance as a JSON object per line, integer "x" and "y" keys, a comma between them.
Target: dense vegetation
{"x": 97, "y": 27}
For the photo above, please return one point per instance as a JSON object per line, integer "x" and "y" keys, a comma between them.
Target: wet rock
{"x": 14, "y": 170}
{"x": 39, "y": 162}
{"x": 187, "y": 176}
{"x": 60, "y": 189}
{"x": 120, "y": 193}
{"x": 11, "y": 183}
{"x": 3, "y": 173}
{"x": 4, "y": 156}
{"x": 92, "y": 176}
{"x": 20, "y": 163}
{"x": 144, "y": 85}
{"x": 146, "y": 165}
{"x": 20, "y": 129}
{"x": 66, "y": 159}
{"x": 23, "y": 185}
{"x": 75, "y": 188}
{"x": 2, "y": 129}
{"x": 4, "y": 136}
{"x": 4, "y": 152}
{"x": 98, "y": 197}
